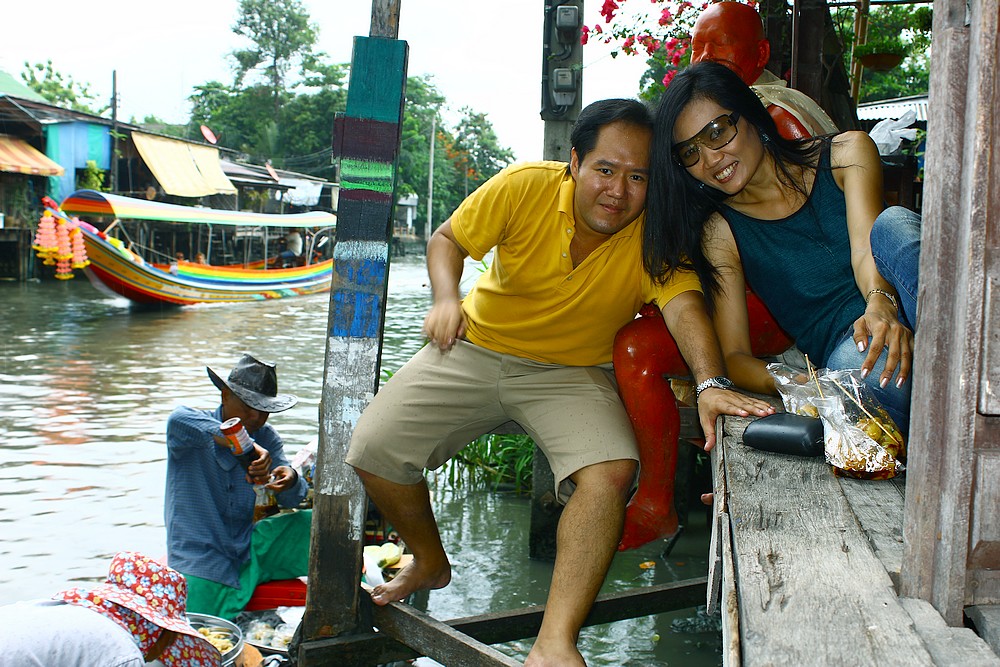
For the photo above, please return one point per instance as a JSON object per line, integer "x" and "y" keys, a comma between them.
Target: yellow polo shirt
{"x": 531, "y": 302}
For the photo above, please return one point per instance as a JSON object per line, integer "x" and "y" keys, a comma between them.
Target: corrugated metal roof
{"x": 894, "y": 108}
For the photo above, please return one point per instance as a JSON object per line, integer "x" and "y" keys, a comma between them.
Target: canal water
{"x": 86, "y": 385}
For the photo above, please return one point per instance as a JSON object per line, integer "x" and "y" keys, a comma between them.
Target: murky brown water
{"x": 86, "y": 385}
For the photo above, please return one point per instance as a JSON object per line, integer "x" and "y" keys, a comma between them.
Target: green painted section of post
{"x": 378, "y": 94}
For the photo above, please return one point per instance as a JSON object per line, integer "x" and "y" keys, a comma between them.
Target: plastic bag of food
{"x": 796, "y": 389}
{"x": 860, "y": 438}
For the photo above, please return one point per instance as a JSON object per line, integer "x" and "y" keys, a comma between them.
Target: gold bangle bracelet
{"x": 891, "y": 298}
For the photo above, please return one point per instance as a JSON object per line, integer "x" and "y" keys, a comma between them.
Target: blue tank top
{"x": 800, "y": 266}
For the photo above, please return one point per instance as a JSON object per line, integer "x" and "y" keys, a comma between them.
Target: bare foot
{"x": 554, "y": 654}
{"x": 410, "y": 579}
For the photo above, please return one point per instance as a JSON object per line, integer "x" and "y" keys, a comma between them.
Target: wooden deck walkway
{"x": 808, "y": 567}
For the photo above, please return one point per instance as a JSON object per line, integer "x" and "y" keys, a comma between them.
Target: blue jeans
{"x": 895, "y": 240}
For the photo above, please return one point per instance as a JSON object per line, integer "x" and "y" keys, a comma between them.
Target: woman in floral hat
{"x": 136, "y": 616}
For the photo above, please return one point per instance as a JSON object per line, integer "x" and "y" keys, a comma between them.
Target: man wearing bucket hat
{"x": 209, "y": 502}
{"x": 136, "y": 616}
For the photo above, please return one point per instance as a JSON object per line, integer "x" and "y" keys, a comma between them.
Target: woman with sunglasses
{"x": 802, "y": 223}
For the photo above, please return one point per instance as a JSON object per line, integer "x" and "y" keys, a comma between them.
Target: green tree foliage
{"x": 912, "y": 77}
{"x": 91, "y": 178}
{"x": 462, "y": 159}
{"x": 60, "y": 90}
{"x": 298, "y": 133}
{"x": 476, "y": 151}
{"x": 281, "y": 34}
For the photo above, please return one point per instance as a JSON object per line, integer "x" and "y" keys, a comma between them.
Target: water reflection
{"x": 86, "y": 385}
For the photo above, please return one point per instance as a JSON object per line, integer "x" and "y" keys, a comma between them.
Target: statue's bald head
{"x": 731, "y": 33}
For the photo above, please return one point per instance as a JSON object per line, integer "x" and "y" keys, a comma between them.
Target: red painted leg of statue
{"x": 644, "y": 352}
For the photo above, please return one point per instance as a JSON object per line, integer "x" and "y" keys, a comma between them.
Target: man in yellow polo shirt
{"x": 532, "y": 343}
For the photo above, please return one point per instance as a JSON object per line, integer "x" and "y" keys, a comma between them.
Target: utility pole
{"x": 114, "y": 131}
{"x": 562, "y": 88}
{"x": 428, "y": 228}
{"x": 562, "y": 75}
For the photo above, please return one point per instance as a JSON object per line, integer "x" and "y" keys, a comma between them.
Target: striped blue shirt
{"x": 208, "y": 504}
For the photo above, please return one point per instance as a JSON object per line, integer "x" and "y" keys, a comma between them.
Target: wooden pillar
{"x": 366, "y": 144}
{"x": 807, "y": 49}
{"x": 952, "y": 530}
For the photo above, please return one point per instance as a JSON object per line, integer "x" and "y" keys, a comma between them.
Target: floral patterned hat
{"x": 143, "y": 596}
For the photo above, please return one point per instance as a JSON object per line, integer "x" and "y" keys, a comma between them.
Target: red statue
{"x": 732, "y": 34}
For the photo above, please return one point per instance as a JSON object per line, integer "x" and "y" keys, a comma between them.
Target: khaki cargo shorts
{"x": 439, "y": 402}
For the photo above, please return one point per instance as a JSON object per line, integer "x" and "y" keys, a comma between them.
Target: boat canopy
{"x": 91, "y": 202}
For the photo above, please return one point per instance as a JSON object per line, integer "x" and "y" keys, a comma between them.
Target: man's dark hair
{"x": 604, "y": 112}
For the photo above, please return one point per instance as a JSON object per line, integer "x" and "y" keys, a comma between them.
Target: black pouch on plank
{"x": 786, "y": 433}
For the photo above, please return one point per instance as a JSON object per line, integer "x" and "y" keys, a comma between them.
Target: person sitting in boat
{"x": 199, "y": 258}
{"x": 211, "y": 494}
{"x": 136, "y": 616}
{"x": 178, "y": 258}
{"x": 532, "y": 342}
{"x": 293, "y": 250}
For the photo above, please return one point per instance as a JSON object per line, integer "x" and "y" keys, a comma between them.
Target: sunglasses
{"x": 715, "y": 135}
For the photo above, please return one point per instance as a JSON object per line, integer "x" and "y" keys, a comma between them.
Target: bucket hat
{"x": 255, "y": 383}
{"x": 142, "y": 595}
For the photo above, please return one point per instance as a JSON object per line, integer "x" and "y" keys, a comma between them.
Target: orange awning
{"x": 19, "y": 157}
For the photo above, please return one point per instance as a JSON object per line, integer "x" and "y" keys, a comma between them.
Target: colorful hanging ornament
{"x": 64, "y": 252}
{"x": 45, "y": 239}
{"x": 80, "y": 260}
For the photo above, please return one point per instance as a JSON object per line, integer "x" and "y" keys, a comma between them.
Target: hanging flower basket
{"x": 881, "y": 62}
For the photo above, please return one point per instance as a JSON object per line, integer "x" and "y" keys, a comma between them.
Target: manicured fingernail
{"x": 899, "y": 383}
{"x": 861, "y": 346}
{"x": 883, "y": 382}
{"x": 864, "y": 373}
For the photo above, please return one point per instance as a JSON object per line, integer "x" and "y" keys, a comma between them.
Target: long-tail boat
{"x": 121, "y": 235}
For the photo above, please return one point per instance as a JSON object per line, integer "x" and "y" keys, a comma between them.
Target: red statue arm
{"x": 789, "y": 126}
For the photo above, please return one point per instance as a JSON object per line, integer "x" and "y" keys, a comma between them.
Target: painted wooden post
{"x": 952, "y": 529}
{"x": 366, "y": 142}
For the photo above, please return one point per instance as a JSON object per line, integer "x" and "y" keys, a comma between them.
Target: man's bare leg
{"x": 408, "y": 508}
{"x": 586, "y": 540}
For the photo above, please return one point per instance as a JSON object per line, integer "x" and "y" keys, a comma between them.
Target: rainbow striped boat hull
{"x": 116, "y": 270}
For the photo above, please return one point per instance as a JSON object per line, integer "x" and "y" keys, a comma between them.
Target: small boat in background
{"x": 122, "y": 234}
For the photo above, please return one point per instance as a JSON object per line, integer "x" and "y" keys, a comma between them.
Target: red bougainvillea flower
{"x": 608, "y": 10}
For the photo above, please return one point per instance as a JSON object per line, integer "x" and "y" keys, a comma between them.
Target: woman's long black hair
{"x": 677, "y": 204}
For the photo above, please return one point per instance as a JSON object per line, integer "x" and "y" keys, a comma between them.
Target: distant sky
{"x": 484, "y": 54}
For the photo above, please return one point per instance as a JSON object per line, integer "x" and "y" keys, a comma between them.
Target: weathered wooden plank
{"x": 986, "y": 620}
{"x": 505, "y": 626}
{"x": 989, "y": 389}
{"x": 428, "y": 636}
{"x": 960, "y": 208}
{"x": 714, "y": 565}
{"x": 385, "y": 19}
{"x": 731, "y": 651}
{"x": 715, "y": 547}
{"x": 950, "y": 647}
{"x": 878, "y": 506}
{"x": 808, "y": 580}
{"x": 610, "y": 607}
{"x": 985, "y": 536}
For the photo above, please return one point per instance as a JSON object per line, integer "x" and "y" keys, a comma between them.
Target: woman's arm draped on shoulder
{"x": 858, "y": 171}
{"x": 732, "y": 324}
{"x": 445, "y": 321}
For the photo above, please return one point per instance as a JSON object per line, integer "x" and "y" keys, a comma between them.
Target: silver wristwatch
{"x": 718, "y": 382}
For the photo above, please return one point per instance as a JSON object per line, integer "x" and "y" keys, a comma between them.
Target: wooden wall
{"x": 952, "y": 523}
